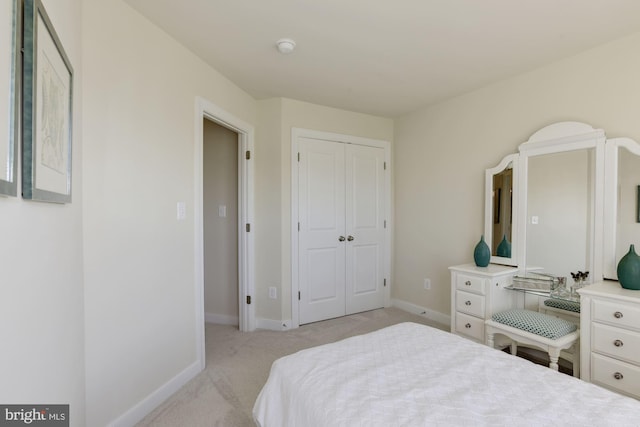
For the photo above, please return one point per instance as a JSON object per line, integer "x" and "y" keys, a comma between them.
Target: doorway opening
{"x": 220, "y": 216}
{"x": 207, "y": 112}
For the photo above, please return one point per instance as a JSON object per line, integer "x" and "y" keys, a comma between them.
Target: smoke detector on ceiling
{"x": 285, "y": 46}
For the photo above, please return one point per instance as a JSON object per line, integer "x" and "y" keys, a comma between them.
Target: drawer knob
{"x": 468, "y": 325}
{"x": 618, "y": 343}
{"x": 467, "y": 303}
{"x": 617, "y": 315}
{"x": 468, "y": 283}
{"x": 618, "y": 376}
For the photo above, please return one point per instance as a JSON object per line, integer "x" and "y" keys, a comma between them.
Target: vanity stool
{"x": 535, "y": 329}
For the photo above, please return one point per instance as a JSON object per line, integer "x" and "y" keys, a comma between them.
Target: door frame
{"x": 246, "y": 274}
{"x": 297, "y": 133}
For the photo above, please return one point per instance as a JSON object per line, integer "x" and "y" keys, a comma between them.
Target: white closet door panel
{"x": 321, "y": 215}
{"x": 364, "y": 176}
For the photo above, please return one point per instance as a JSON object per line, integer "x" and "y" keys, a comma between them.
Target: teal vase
{"x": 629, "y": 270}
{"x": 482, "y": 253}
{"x": 504, "y": 248}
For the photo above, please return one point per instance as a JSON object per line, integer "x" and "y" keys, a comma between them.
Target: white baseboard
{"x": 273, "y": 325}
{"x": 153, "y": 400}
{"x": 221, "y": 319}
{"x": 436, "y": 316}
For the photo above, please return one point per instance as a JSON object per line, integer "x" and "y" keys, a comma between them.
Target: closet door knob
{"x": 618, "y": 343}
{"x": 468, "y": 303}
{"x": 468, "y": 325}
{"x": 617, "y": 315}
{"x": 341, "y": 239}
{"x": 468, "y": 283}
{"x": 618, "y": 376}
{"x": 350, "y": 238}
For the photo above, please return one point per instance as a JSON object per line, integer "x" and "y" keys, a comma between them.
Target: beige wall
{"x": 220, "y": 188}
{"x": 42, "y": 303}
{"x": 139, "y": 121}
{"x": 268, "y": 239}
{"x": 441, "y": 153}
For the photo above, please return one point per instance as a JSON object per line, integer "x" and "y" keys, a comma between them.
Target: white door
{"x": 365, "y": 228}
{"x": 341, "y": 229}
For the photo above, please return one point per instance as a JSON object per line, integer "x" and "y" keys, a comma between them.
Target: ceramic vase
{"x": 629, "y": 270}
{"x": 482, "y": 253}
{"x": 504, "y": 248}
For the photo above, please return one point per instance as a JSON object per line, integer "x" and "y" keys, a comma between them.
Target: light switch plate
{"x": 182, "y": 211}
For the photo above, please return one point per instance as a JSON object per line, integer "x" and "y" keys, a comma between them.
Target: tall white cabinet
{"x": 476, "y": 294}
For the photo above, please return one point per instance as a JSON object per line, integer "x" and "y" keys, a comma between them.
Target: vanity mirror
{"x": 501, "y": 183}
{"x": 556, "y": 202}
{"x": 562, "y": 171}
{"x": 559, "y": 216}
{"x": 621, "y": 199}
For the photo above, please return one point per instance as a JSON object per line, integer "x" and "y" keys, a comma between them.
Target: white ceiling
{"x": 385, "y": 57}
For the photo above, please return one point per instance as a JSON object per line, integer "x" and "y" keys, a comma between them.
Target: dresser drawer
{"x": 616, "y": 375}
{"x": 470, "y": 283}
{"x": 617, "y": 342}
{"x": 617, "y": 313}
{"x": 470, "y": 303}
{"x": 470, "y": 326}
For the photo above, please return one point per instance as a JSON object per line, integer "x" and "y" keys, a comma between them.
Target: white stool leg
{"x": 490, "y": 339}
{"x": 554, "y": 355}
{"x": 514, "y": 348}
{"x": 576, "y": 359}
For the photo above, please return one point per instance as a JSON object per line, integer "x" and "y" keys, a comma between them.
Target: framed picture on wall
{"x": 10, "y": 28}
{"x": 47, "y": 81}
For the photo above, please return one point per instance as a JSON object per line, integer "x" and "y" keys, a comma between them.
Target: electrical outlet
{"x": 273, "y": 292}
{"x": 427, "y": 284}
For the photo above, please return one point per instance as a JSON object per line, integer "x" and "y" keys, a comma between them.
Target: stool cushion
{"x": 535, "y": 323}
{"x": 563, "y": 304}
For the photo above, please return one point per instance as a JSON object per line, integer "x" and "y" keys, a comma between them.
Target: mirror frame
{"x": 612, "y": 150}
{"x": 488, "y": 208}
{"x": 557, "y": 138}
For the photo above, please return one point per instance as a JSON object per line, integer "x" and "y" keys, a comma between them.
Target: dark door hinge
{"x": 298, "y": 295}
{"x": 247, "y": 155}
{"x": 385, "y": 283}
{"x": 248, "y": 299}
{"x": 248, "y": 228}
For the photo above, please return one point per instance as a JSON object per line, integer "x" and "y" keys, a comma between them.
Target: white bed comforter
{"x": 413, "y": 375}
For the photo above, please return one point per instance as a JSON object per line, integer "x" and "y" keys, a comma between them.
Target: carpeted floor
{"x": 238, "y": 364}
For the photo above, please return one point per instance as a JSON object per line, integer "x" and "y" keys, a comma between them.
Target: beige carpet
{"x": 238, "y": 364}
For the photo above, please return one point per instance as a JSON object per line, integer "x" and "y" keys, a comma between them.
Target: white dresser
{"x": 477, "y": 293}
{"x": 610, "y": 337}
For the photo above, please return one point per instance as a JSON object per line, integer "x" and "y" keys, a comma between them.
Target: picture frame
{"x": 47, "y": 83}
{"x": 10, "y": 30}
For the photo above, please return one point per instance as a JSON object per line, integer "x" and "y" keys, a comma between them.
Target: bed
{"x": 414, "y": 375}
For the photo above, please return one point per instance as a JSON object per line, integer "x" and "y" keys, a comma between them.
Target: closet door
{"x": 364, "y": 178}
{"x": 321, "y": 239}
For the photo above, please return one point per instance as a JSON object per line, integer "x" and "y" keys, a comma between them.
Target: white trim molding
{"x": 435, "y": 316}
{"x": 153, "y": 400}
{"x": 221, "y": 319}
{"x": 273, "y": 325}
{"x": 246, "y": 275}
